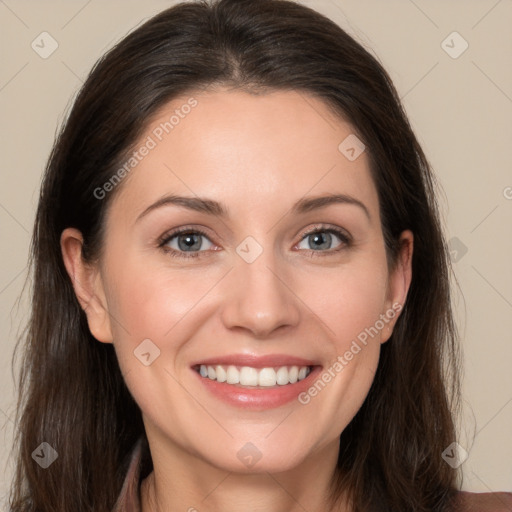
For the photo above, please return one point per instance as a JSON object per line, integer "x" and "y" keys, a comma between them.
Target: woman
{"x": 241, "y": 292}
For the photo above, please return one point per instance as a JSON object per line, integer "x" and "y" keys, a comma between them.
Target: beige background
{"x": 460, "y": 108}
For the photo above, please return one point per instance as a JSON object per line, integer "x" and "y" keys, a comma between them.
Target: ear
{"x": 88, "y": 285}
{"x": 398, "y": 284}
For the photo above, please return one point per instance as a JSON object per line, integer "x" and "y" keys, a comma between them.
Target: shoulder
{"x": 483, "y": 502}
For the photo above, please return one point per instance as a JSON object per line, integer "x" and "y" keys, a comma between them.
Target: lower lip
{"x": 258, "y": 398}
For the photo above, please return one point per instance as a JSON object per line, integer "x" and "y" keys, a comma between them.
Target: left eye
{"x": 322, "y": 240}
{"x": 189, "y": 242}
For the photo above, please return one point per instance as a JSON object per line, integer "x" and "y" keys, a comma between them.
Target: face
{"x": 244, "y": 280}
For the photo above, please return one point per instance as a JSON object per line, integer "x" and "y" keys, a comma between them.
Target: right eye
{"x": 186, "y": 243}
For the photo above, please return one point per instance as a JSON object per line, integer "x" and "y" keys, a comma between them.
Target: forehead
{"x": 247, "y": 151}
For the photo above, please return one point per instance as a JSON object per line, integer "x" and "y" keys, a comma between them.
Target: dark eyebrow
{"x": 197, "y": 204}
{"x": 312, "y": 203}
{"x": 211, "y": 207}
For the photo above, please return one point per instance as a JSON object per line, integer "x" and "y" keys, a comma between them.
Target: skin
{"x": 257, "y": 155}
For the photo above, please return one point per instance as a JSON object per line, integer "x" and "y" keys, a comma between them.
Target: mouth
{"x": 254, "y": 378}
{"x": 256, "y": 383}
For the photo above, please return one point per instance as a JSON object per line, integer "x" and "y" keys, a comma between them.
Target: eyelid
{"x": 168, "y": 235}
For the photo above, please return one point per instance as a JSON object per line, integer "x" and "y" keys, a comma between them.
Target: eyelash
{"x": 165, "y": 239}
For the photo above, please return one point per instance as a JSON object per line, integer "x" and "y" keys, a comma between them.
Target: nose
{"x": 259, "y": 299}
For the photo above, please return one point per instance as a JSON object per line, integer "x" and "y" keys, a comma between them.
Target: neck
{"x": 181, "y": 481}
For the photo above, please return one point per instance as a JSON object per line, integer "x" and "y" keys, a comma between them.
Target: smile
{"x": 247, "y": 376}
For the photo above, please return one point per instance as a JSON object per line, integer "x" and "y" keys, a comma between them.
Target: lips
{"x": 256, "y": 382}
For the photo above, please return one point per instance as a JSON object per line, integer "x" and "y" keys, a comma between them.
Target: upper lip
{"x": 255, "y": 361}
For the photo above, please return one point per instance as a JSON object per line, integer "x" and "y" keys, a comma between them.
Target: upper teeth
{"x": 247, "y": 376}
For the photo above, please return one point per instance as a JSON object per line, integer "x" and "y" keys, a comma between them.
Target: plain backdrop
{"x": 459, "y": 101}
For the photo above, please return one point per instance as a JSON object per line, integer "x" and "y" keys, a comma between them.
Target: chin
{"x": 258, "y": 457}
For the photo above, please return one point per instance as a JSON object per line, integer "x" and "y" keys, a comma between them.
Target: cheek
{"x": 350, "y": 305}
{"x": 348, "y": 300}
{"x": 166, "y": 306}
{"x": 156, "y": 304}
{"x": 150, "y": 300}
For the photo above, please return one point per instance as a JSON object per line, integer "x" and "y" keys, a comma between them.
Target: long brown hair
{"x": 72, "y": 393}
